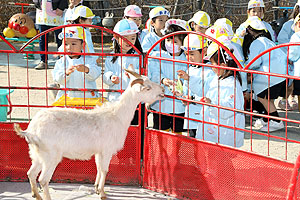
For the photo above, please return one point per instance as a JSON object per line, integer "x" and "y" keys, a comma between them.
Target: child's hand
{"x": 205, "y": 100}
{"x": 99, "y": 60}
{"x": 176, "y": 93}
{"x": 115, "y": 79}
{"x": 182, "y": 74}
{"x": 168, "y": 82}
{"x": 82, "y": 68}
{"x": 70, "y": 70}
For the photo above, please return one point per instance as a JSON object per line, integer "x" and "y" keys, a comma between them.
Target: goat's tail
{"x": 19, "y": 131}
{"x": 24, "y": 134}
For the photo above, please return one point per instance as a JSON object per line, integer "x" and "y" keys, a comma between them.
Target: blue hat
{"x": 126, "y": 27}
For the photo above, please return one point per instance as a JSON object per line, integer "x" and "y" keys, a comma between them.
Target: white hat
{"x": 126, "y": 27}
{"x": 82, "y": 11}
{"x": 201, "y": 18}
{"x": 222, "y": 27}
{"x": 75, "y": 32}
{"x": 193, "y": 42}
{"x": 256, "y": 3}
{"x": 179, "y": 22}
{"x": 256, "y": 23}
{"x": 295, "y": 21}
{"x": 133, "y": 11}
{"x": 158, "y": 11}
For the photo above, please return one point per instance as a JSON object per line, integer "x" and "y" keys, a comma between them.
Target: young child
{"x": 134, "y": 13}
{"x": 224, "y": 90}
{"x": 284, "y": 36}
{"x": 158, "y": 17}
{"x": 256, "y": 41}
{"x": 256, "y": 8}
{"x": 76, "y": 71}
{"x": 164, "y": 72}
{"x": 195, "y": 79}
{"x": 68, "y": 15}
{"x": 114, "y": 74}
{"x": 200, "y": 22}
{"x": 294, "y": 55}
{"x": 84, "y": 15}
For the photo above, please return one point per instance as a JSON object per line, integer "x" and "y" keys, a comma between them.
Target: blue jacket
{"x": 199, "y": 78}
{"x": 230, "y": 94}
{"x": 278, "y": 64}
{"x": 149, "y": 40}
{"x": 168, "y": 70}
{"x": 117, "y": 69}
{"x": 76, "y": 79}
{"x": 294, "y": 53}
{"x": 285, "y": 33}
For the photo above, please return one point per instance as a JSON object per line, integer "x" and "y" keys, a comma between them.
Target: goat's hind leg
{"x": 97, "y": 160}
{"x": 32, "y": 173}
{"x": 46, "y": 175}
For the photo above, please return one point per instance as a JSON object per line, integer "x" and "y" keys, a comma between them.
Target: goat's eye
{"x": 148, "y": 87}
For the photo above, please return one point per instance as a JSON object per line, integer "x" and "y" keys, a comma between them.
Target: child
{"x": 284, "y": 36}
{"x": 84, "y": 15}
{"x": 200, "y": 22}
{"x": 76, "y": 71}
{"x": 70, "y": 11}
{"x": 256, "y": 41}
{"x": 195, "y": 80}
{"x": 256, "y": 8}
{"x": 294, "y": 55}
{"x": 224, "y": 90}
{"x": 158, "y": 17}
{"x": 164, "y": 72}
{"x": 114, "y": 75}
{"x": 134, "y": 13}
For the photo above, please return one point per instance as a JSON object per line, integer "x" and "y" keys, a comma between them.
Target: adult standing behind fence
{"x": 49, "y": 14}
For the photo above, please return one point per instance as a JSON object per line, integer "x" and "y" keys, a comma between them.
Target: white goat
{"x": 55, "y": 133}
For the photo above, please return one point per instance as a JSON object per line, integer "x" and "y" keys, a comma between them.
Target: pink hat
{"x": 133, "y": 11}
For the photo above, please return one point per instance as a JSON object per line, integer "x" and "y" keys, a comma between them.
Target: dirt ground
{"x": 18, "y": 74}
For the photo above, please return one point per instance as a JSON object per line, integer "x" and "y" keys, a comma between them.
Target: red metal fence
{"x": 175, "y": 164}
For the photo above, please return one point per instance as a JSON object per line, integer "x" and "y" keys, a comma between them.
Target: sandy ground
{"x": 61, "y": 191}
{"x": 21, "y": 76}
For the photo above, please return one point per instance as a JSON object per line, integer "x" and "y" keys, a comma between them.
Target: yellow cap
{"x": 158, "y": 11}
{"x": 201, "y": 18}
{"x": 82, "y": 11}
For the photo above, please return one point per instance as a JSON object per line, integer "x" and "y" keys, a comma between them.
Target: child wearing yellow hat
{"x": 158, "y": 17}
{"x": 200, "y": 22}
{"x": 75, "y": 71}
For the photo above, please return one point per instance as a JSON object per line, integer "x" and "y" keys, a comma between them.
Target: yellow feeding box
{"x": 78, "y": 102}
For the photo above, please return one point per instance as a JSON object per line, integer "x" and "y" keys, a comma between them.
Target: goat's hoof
{"x": 37, "y": 197}
{"x": 102, "y": 195}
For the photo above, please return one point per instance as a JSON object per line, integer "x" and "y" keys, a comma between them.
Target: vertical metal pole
{"x": 276, "y": 3}
{"x": 199, "y": 4}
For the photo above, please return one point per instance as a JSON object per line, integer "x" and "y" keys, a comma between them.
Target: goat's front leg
{"x": 102, "y": 163}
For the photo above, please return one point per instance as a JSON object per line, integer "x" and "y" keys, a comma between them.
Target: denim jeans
{"x": 44, "y": 41}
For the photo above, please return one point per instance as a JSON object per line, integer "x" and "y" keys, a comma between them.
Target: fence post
{"x": 293, "y": 181}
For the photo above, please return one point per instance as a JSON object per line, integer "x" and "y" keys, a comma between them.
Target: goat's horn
{"x": 133, "y": 73}
{"x": 139, "y": 81}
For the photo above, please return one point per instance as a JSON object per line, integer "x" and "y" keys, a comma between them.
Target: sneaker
{"x": 282, "y": 105}
{"x": 259, "y": 123}
{"x": 273, "y": 126}
{"x": 41, "y": 65}
{"x": 294, "y": 105}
